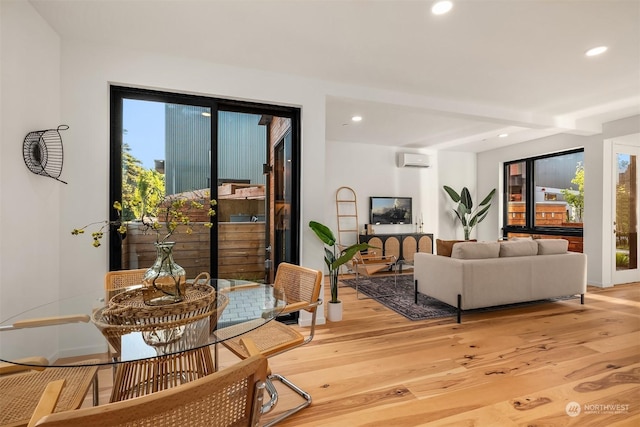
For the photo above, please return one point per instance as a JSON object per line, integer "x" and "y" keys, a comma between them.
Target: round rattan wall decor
{"x": 43, "y": 154}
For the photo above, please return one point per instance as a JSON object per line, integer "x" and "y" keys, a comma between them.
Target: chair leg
{"x": 94, "y": 382}
{"x": 273, "y": 397}
{"x": 306, "y": 396}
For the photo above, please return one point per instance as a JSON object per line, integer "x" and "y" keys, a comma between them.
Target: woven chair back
{"x": 224, "y": 398}
{"x": 300, "y": 284}
{"x": 116, "y": 281}
{"x": 20, "y": 393}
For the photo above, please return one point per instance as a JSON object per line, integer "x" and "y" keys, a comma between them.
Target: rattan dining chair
{"x": 301, "y": 287}
{"x": 231, "y": 397}
{"x": 22, "y": 385}
{"x": 117, "y": 281}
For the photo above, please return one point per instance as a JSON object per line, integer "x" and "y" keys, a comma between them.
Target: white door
{"x": 625, "y": 212}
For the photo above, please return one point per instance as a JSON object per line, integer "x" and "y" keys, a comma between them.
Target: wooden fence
{"x": 241, "y": 252}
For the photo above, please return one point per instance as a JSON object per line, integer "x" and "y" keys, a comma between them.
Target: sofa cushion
{"x": 525, "y": 247}
{"x": 552, "y": 246}
{"x": 475, "y": 250}
{"x": 521, "y": 238}
{"x": 443, "y": 247}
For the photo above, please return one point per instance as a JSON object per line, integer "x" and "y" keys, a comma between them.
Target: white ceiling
{"x": 449, "y": 82}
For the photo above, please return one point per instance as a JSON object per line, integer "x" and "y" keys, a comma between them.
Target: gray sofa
{"x": 486, "y": 274}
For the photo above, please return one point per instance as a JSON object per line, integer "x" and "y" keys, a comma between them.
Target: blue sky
{"x": 144, "y": 125}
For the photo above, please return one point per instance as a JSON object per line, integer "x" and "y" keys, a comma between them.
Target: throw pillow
{"x": 552, "y": 246}
{"x": 477, "y": 250}
{"x": 524, "y": 247}
{"x": 520, "y": 238}
{"x": 444, "y": 247}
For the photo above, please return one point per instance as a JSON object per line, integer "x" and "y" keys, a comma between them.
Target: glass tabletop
{"x": 73, "y": 330}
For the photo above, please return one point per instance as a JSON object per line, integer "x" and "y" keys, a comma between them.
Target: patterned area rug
{"x": 426, "y": 308}
{"x": 402, "y": 303}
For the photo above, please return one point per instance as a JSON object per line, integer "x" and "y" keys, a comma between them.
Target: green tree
{"x": 142, "y": 189}
{"x": 149, "y": 193}
{"x": 573, "y": 198}
{"x": 131, "y": 170}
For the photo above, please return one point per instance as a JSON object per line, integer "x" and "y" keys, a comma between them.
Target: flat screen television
{"x": 390, "y": 210}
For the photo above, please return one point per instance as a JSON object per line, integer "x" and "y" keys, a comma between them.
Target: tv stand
{"x": 402, "y": 245}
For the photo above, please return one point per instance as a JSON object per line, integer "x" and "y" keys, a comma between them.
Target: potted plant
{"x": 464, "y": 210}
{"x": 334, "y": 257}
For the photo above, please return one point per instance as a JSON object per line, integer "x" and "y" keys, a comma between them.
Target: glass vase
{"x": 164, "y": 282}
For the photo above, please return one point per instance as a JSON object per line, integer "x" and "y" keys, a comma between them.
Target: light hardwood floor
{"x": 516, "y": 367}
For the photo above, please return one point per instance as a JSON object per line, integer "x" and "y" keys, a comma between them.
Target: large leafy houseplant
{"x": 334, "y": 256}
{"x": 468, "y": 216}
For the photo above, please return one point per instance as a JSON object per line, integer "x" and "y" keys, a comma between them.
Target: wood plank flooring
{"x": 516, "y": 367}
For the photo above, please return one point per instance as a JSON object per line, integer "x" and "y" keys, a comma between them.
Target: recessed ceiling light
{"x": 503, "y": 135}
{"x": 595, "y": 51}
{"x": 356, "y": 118}
{"x": 206, "y": 114}
{"x": 441, "y": 7}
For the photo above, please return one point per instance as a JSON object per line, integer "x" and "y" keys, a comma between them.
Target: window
{"x": 544, "y": 197}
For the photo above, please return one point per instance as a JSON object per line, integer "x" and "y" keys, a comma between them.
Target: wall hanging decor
{"x": 42, "y": 152}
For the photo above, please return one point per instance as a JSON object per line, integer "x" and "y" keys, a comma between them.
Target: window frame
{"x": 530, "y": 216}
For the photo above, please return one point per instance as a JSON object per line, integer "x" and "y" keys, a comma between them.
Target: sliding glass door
{"x": 168, "y": 146}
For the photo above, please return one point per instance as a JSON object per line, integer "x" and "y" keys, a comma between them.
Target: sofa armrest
{"x": 439, "y": 277}
{"x": 559, "y": 275}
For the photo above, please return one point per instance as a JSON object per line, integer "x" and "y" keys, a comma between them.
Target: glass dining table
{"x": 72, "y": 330}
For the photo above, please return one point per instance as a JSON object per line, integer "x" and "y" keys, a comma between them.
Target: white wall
{"x": 29, "y": 203}
{"x": 373, "y": 171}
{"x": 456, "y": 170}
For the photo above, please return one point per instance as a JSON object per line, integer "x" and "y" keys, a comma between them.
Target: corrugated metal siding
{"x": 242, "y": 147}
{"x": 557, "y": 172}
{"x": 188, "y": 142}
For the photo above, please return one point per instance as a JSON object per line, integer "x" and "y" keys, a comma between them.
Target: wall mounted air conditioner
{"x": 413, "y": 160}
